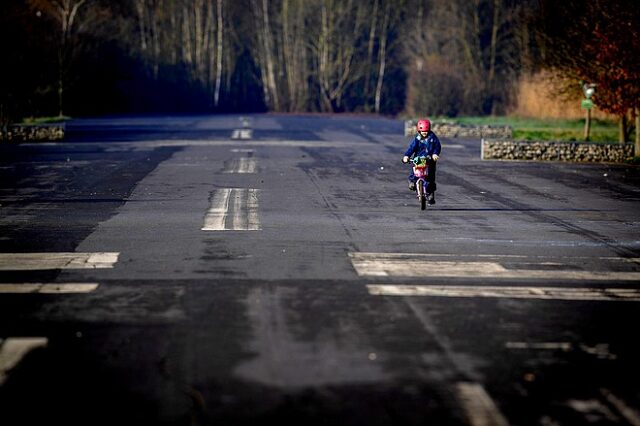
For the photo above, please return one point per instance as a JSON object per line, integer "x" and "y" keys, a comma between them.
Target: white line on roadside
{"x": 42, "y": 261}
{"x": 546, "y": 293}
{"x": 233, "y": 210}
{"x": 62, "y": 288}
{"x": 13, "y": 349}
{"x": 479, "y": 406}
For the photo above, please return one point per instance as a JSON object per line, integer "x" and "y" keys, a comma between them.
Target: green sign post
{"x": 587, "y": 103}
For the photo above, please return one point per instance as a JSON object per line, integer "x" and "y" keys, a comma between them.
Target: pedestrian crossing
{"x": 492, "y": 270}
{"x": 48, "y": 288}
{"x": 44, "y": 261}
{"x": 433, "y": 266}
{"x": 525, "y": 292}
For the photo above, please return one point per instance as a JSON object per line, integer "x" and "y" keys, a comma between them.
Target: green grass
{"x": 547, "y": 129}
{"x": 45, "y": 120}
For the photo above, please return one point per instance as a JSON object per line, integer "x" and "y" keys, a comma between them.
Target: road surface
{"x": 233, "y": 270}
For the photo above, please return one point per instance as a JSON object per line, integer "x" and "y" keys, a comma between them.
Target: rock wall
{"x": 452, "y": 130}
{"x": 33, "y": 133}
{"x": 557, "y": 151}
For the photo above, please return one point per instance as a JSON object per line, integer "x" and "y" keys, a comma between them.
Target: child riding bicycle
{"x": 424, "y": 144}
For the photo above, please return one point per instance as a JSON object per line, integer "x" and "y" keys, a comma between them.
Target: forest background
{"x": 411, "y": 57}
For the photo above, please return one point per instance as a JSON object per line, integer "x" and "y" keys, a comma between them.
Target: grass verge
{"x": 548, "y": 129}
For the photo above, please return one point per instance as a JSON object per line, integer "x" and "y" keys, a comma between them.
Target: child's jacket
{"x": 427, "y": 146}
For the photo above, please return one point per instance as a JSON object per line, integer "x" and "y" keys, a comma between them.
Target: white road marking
{"x": 13, "y": 349}
{"x": 409, "y": 265}
{"x": 144, "y": 145}
{"x": 40, "y": 261}
{"x": 216, "y": 216}
{"x": 246, "y": 151}
{"x": 242, "y": 134}
{"x": 552, "y": 346}
{"x": 592, "y": 408}
{"x": 600, "y": 350}
{"x": 478, "y": 406}
{"x": 243, "y": 165}
{"x": 244, "y": 205}
{"x": 629, "y": 414}
{"x": 63, "y": 288}
{"x": 546, "y": 293}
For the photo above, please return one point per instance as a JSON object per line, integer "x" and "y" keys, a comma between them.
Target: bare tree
{"x": 65, "y": 12}
{"x": 341, "y": 26}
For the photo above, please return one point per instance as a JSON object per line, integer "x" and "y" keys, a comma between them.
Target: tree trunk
{"x": 269, "y": 55}
{"x": 622, "y": 128}
{"x": 216, "y": 95}
{"x": 372, "y": 36}
{"x": 383, "y": 58}
{"x": 637, "y": 146}
{"x": 140, "y": 8}
{"x": 494, "y": 40}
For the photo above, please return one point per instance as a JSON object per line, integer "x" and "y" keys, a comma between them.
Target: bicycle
{"x": 420, "y": 171}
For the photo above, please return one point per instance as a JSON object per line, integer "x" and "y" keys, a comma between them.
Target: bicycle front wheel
{"x": 421, "y": 195}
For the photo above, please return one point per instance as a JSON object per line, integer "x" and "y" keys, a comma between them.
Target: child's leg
{"x": 431, "y": 177}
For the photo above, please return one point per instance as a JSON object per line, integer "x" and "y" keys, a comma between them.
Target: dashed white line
{"x": 233, "y": 210}
{"x": 13, "y": 349}
{"x": 241, "y": 134}
{"x": 243, "y": 165}
{"x": 478, "y": 406}
{"x": 62, "y": 288}
{"x": 216, "y": 216}
{"x": 546, "y": 293}
{"x": 43, "y": 261}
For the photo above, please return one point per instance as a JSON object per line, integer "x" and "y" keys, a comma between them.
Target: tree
{"x": 596, "y": 42}
{"x": 66, "y": 13}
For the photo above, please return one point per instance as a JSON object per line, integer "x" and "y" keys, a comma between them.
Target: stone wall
{"x": 557, "y": 151}
{"x": 33, "y": 133}
{"x": 453, "y": 130}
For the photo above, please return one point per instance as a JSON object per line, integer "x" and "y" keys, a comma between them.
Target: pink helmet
{"x": 423, "y": 125}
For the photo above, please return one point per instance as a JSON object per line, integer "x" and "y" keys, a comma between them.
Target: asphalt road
{"x": 236, "y": 270}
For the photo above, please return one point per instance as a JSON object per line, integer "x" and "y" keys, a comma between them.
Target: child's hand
{"x": 405, "y": 159}
{"x": 435, "y": 157}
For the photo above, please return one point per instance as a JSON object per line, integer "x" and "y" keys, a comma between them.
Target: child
{"x": 427, "y": 144}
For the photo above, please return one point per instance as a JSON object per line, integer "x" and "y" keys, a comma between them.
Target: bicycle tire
{"x": 422, "y": 195}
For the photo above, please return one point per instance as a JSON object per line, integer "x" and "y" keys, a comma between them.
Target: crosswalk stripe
{"x": 43, "y": 261}
{"x": 529, "y": 292}
{"x": 62, "y": 288}
{"x": 13, "y": 349}
{"x": 407, "y": 265}
{"x": 233, "y": 210}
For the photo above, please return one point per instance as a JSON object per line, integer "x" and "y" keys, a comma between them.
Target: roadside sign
{"x": 587, "y": 104}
